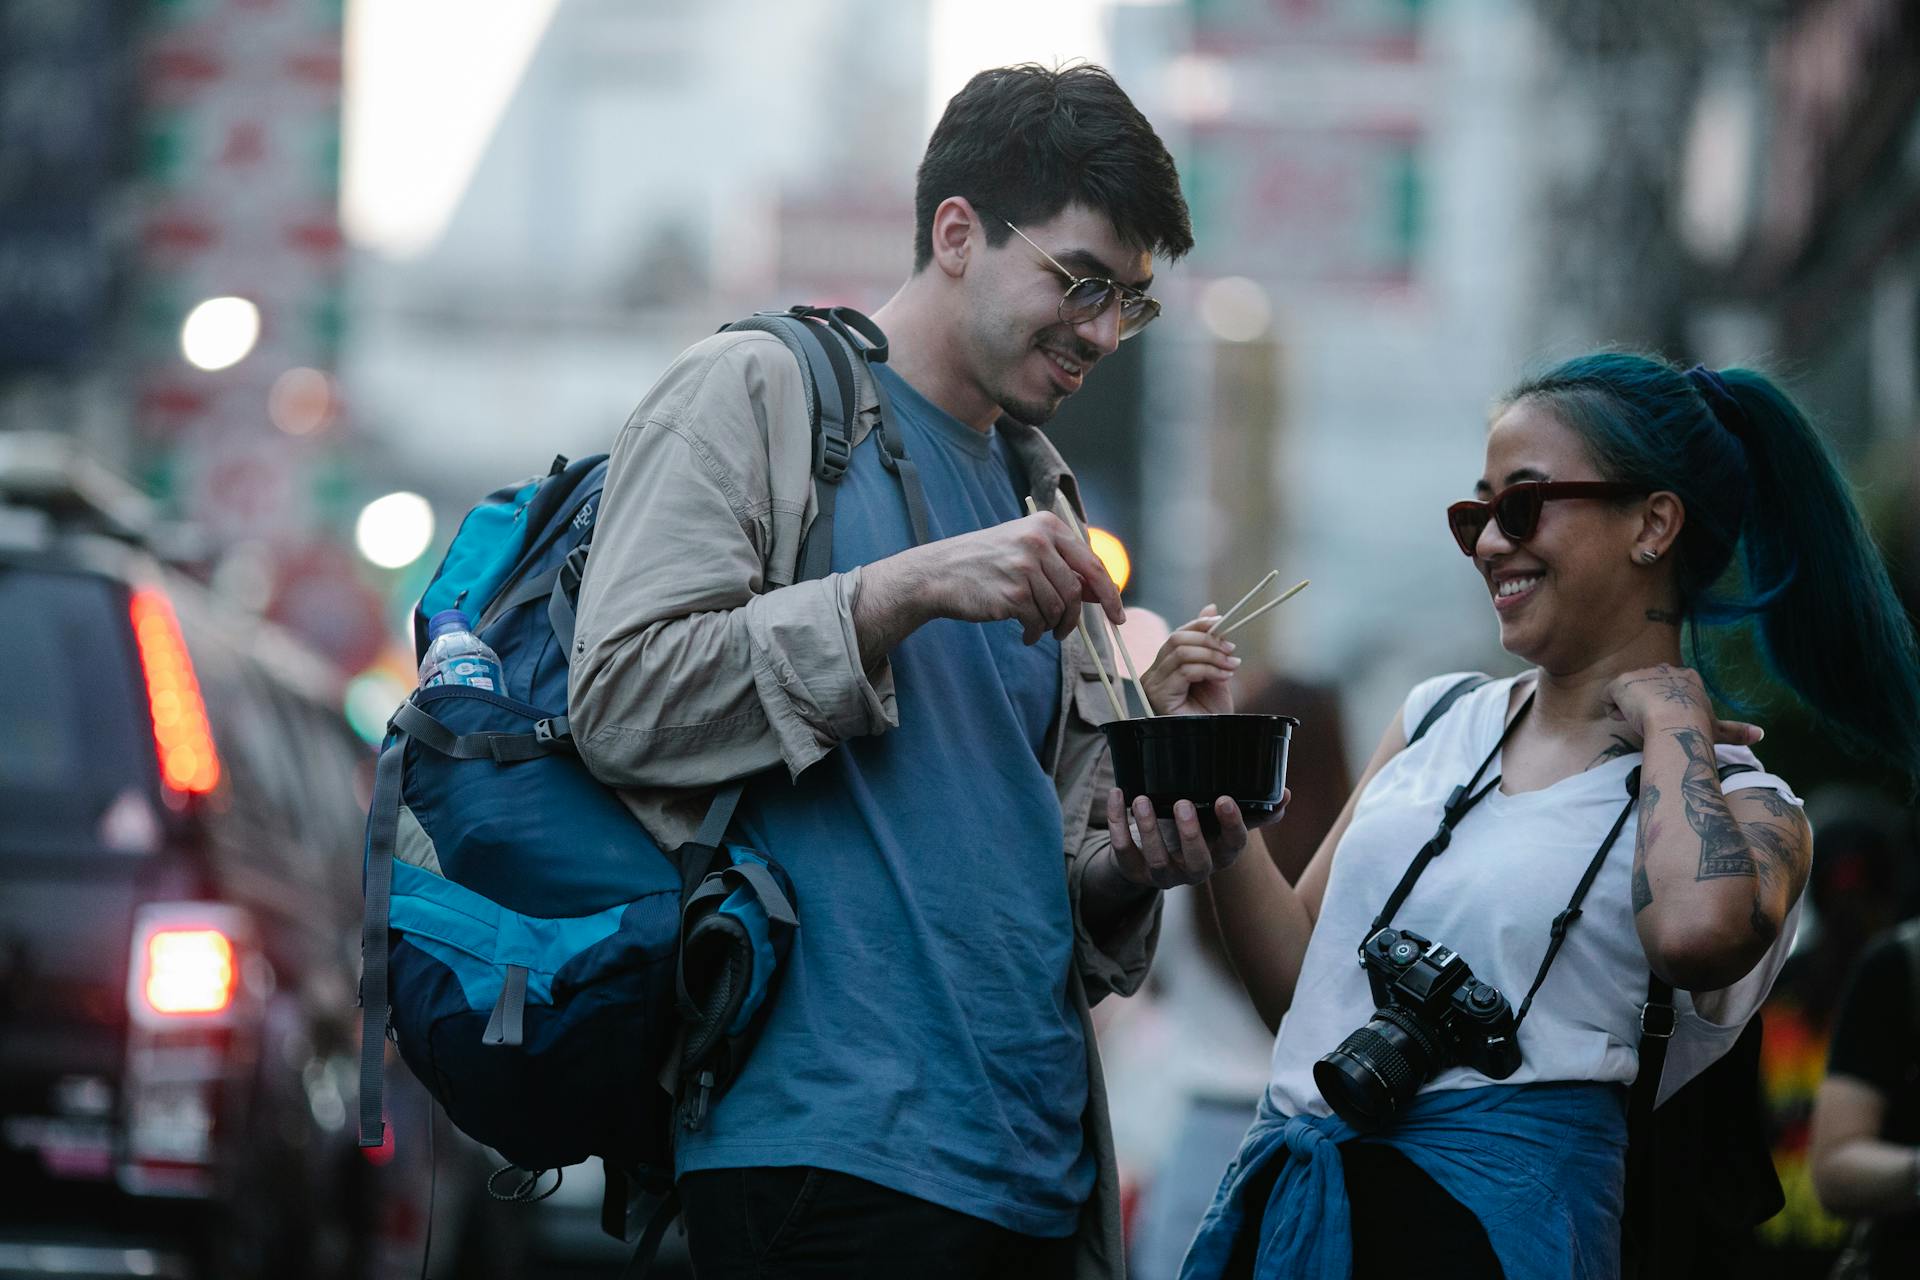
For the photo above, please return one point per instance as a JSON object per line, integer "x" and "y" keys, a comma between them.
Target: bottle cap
{"x": 447, "y": 620}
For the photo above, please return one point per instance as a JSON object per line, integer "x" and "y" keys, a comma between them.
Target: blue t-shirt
{"x": 923, "y": 1037}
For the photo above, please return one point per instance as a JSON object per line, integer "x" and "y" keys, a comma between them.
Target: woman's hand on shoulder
{"x": 1652, "y": 696}
{"x": 1190, "y": 674}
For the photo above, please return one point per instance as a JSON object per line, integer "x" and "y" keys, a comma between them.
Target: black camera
{"x": 1433, "y": 1013}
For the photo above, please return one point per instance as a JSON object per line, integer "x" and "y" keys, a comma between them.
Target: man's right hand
{"x": 1034, "y": 570}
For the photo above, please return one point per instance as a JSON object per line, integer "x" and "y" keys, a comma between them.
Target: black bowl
{"x": 1200, "y": 759}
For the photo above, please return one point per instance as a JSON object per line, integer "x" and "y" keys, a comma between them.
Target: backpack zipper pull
{"x": 697, "y": 1104}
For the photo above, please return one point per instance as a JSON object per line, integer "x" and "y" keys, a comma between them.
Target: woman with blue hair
{"x": 1545, "y": 876}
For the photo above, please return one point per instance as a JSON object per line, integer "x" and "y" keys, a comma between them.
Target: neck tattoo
{"x": 1667, "y": 616}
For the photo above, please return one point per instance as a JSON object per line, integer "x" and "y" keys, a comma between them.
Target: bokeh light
{"x": 1113, "y": 554}
{"x": 371, "y": 697}
{"x": 301, "y": 401}
{"x": 1235, "y": 309}
{"x": 393, "y": 531}
{"x": 219, "y": 333}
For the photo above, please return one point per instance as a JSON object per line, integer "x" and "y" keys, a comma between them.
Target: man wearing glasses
{"x": 921, "y": 724}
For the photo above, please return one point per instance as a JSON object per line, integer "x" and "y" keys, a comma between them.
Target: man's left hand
{"x": 1161, "y": 852}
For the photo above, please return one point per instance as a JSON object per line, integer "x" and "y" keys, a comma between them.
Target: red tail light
{"x": 194, "y": 965}
{"x": 189, "y": 971}
{"x": 181, "y": 735}
{"x": 196, "y": 991}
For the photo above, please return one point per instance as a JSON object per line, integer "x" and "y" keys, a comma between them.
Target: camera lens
{"x": 1378, "y": 1068}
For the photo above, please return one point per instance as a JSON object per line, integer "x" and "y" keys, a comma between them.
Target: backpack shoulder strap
{"x": 826, "y": 370}
{"x": 1445, "y": 703}
{"x": 835, "y": 346}
{"x": 1641, "y": 1218}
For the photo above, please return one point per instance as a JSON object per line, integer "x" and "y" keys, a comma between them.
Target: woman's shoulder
{"x": 1474, "y": 686}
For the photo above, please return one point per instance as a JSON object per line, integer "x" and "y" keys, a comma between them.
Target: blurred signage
{"x": 1386, "y": 28}
{"x": 239, "y": 150}
{"x": 1326, "y": 207}
{"x": 1306, "y": 137}
{"x": 62, "y": 122}
{"x": 240, "y": 154}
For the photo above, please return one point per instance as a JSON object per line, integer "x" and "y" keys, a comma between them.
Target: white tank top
{"x": 1512, "y": 865}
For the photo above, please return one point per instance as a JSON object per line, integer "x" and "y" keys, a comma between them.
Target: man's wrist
{"x": 1112, "y": 886}
{"x": 888, "y": 605}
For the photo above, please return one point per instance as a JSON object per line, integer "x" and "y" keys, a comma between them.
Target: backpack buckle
{"x": 1658, "y": 1021}
{"x": 831, "y": 454}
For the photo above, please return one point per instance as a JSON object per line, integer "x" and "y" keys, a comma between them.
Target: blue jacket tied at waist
{"x": 1541, "y": 1166}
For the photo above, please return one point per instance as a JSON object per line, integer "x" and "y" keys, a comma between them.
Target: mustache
{"x": 1070, "y": 345}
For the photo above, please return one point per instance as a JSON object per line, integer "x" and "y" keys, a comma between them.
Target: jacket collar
{"x": 1045, "y": 469}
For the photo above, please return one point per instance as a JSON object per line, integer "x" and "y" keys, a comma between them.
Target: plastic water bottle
{"x": 457, "y": 656}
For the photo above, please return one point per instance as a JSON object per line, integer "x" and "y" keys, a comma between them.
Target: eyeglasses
{"x": 1087, "y": 296}
{"x": 1516, "y": 508}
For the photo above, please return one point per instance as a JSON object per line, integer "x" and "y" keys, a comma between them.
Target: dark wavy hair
{"x": 1772, "y": 534}
{"x": 1024, "y": 142}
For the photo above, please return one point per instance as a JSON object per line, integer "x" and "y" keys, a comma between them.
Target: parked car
{"x": 181, "y": 816}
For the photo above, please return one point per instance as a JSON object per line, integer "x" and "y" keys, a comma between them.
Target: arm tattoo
{"x": 1778, "y": 859}
{"x": 1773, "y": 850}
{"x": 1776, "y": 804}
{"x": 1723, "y": 850}
{"x": 1648, "y": 832}
{"x": 1614, "y": 750}
{"x": 1675, "y": 688}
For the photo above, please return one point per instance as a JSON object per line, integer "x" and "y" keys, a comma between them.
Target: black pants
{"x": 1403, "y": 1223}
{"x": 802, "y": 1222}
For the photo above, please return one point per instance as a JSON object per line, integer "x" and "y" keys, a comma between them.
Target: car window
{"x": 330, "y": 751}
{"x": 290, "y": 761}
{"x": 77, "y": 766}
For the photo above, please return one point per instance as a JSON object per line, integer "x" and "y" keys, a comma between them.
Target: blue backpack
{"x": 563, "y": 986}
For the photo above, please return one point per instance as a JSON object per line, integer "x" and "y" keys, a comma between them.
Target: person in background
{"x": 1862, "y": 844}
{"x": 1865, "y": 1146}
{"x": 1616, "y": 493}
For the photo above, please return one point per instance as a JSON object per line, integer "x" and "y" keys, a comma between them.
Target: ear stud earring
{"x": 1649, "y": 556}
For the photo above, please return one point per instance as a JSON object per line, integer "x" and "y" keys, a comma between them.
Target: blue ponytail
{"x": 1756, "y": 479}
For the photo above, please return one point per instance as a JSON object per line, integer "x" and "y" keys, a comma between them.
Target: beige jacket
{"x": 697, "y": 659}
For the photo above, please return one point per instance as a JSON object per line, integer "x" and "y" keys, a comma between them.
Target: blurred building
{"x": 68, "y": 104}
{"x": 657, "y": 171}
{"x": 1741, "y": 180}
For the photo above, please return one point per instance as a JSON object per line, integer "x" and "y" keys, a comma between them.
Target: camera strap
{"x": 1460, "y": 803}
{"x": 1458, "y": 806}
{"x": 1572, "y": 912}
